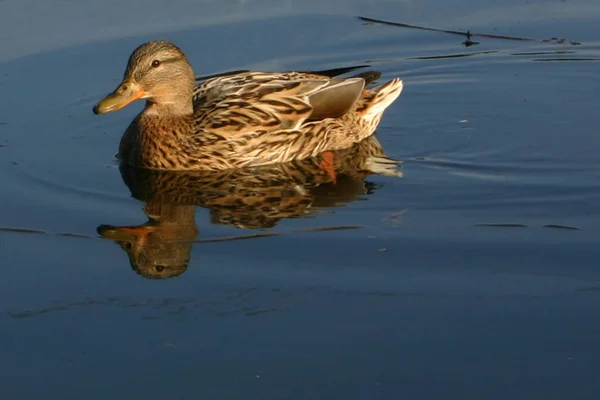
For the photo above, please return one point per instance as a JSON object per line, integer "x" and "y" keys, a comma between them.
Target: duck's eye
{"x": 159, "y": 268}
{"x": 155, "y": 63}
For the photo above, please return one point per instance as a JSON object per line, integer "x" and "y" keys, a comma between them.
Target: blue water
{"x": 474, "y": 275}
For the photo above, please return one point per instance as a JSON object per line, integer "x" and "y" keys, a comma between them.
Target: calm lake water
{"x": 473, "y": 275}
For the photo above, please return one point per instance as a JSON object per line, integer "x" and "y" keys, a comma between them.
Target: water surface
{"x": 473, "y": 275}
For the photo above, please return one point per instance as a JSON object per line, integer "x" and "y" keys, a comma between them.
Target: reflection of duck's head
{"x": 149, "y": 255}
{"x": 160, "y": 248}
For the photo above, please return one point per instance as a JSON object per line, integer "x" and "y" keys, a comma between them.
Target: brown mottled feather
{"x": 243, "y": 119}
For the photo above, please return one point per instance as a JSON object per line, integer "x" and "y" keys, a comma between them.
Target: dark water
{"x": 474, "y": 275}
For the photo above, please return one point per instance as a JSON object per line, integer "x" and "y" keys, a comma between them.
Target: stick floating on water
{"x": 467, "y": 34}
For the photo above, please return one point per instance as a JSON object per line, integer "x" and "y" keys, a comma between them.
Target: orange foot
{"x": 327, "y": 165}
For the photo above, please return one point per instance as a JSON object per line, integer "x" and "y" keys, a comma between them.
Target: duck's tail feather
{"x": 331, "y": 73}
{"x": 383, "y": 165}
{"x": 380, "y": 98}
{"x": 369, "y": 76}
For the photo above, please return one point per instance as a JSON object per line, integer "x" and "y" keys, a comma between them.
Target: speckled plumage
{"x": 240, "y": 120}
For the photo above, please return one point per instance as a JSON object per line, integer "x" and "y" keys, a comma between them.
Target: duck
{"x": 239, "y": 120}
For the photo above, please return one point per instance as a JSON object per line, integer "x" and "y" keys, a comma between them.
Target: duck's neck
{"x": 170, "y": 107}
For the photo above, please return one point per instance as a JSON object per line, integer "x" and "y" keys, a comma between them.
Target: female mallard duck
{"x": 239, "y": 120}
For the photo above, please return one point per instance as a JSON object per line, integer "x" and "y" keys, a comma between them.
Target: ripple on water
{"x": 448, "y": 114}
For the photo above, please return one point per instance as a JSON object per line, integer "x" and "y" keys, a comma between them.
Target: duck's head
{"x": 159, "y": 72}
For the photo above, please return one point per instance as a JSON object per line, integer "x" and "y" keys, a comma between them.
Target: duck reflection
{"x": 251, "y": 198}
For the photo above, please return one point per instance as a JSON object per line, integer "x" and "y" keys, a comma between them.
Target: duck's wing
{"x": 251, "y": 102}
{"x": 333, "y": 72}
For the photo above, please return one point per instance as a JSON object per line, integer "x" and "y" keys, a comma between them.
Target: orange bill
{"x": 127, "y": 92}
{"x": 124, "y": 232}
